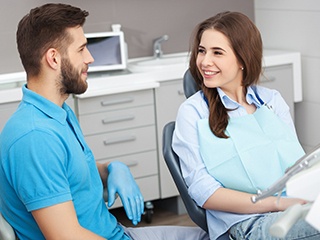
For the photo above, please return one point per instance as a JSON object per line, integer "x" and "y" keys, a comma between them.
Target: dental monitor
{"x": 108, "y": 51}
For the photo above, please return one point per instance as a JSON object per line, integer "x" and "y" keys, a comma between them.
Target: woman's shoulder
{"x": 193, "y": 99}
{"x": 195, "y": 104}
{"x": 196, "y": 100}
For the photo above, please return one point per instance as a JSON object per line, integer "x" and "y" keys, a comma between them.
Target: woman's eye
{"x": 200, "y": 50}
{"x": 217, "y": 53}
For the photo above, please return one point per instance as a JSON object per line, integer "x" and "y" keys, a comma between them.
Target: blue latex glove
{"x": 120, "y": 181}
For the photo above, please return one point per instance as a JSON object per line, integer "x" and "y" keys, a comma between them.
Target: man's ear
{"x": 53, "y": 58}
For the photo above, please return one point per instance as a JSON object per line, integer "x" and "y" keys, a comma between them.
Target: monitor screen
{"x": 108, "y": 51}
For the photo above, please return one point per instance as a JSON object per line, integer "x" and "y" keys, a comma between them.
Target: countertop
{"x": 111, "y": 83}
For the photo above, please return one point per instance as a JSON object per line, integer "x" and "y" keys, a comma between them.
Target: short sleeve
{"x": 37, "y": 170}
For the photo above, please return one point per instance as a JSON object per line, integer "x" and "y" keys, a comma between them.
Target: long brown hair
{"x": 43, "y": 28}
{"x": 246, "y": 43}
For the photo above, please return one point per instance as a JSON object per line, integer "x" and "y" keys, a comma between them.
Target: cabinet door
{"x": 122, "y": 127}
{"x": 168, "y": 97}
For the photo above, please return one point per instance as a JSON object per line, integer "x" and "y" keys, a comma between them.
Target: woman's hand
{"x": 284, "y": 202}
{"x": 228, "y": 200}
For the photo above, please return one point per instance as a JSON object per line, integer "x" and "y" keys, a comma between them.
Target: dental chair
{"x": 196, "y": 213}
{"x": 190, "y": 87}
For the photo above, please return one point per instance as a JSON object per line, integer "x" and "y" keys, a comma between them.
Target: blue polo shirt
{"x": 46, "y": 161}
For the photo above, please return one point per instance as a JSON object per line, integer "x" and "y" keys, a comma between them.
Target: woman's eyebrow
{"x": 218, "y": 48}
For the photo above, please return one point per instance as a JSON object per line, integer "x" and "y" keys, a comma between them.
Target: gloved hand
{"x": 120, "y": 181}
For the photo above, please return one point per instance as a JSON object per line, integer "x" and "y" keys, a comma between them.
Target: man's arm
{"x": 103, "y": 171}
{"x": 116, "y": 176}
{"x": 60, "y": 222}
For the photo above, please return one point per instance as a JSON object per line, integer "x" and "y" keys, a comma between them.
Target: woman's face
{"x": 217, "y": 62}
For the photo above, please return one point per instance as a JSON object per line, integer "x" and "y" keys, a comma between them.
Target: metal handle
{"x": 268, "y": 79}
{"x": 132, "y": 163}
{"x": 180, "y": 92}
{"x": 117, "y": 101}
{"x": 119, "y": 140}
{"x": 118, "y": 119}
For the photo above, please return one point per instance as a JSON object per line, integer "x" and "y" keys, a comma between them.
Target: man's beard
{"x": 70, "y": 79}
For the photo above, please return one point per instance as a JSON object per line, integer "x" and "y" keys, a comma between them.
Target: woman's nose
{"x": 207, "y": 60}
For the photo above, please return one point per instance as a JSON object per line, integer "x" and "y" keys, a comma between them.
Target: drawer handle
{"x": 119, "y": 140}
{"x": 268, "y": 79}
{"x": 180, "y": 92}
{"x": 117, "y": 101}
{"x": 132, "y": 163}
{"x": 117, "y": 119}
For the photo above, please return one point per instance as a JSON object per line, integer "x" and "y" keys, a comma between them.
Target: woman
{"x": 234, "y": 137}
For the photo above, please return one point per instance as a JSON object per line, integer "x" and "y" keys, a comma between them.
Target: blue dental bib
{"x": 259, "y": 149}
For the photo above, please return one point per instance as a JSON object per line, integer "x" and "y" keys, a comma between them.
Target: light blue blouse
{"x": 185, "y": 143}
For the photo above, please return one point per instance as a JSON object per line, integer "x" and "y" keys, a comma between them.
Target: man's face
{"x": 72, "y": 81}
{"x": 74, "y": 64}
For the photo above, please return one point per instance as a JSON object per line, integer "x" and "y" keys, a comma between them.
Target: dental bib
{"x": 259, "y": 149}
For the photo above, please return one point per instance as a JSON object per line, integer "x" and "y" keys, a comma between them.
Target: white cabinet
{"x": 6, "y": 110}
{"x": 280, "y": 78}
{"x": 122, "y": 127}
{"x": 168, "y": 98}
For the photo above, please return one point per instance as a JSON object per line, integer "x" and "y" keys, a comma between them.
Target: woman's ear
{"x": 53, "y": 58}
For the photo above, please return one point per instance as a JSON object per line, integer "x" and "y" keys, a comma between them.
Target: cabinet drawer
{"x": 140, "y": 164}
{"x": 149, "y": 188}
{"x": 117, "y": 120}
{"x": 122, "y": 142}
{"x": 115, "y": 101}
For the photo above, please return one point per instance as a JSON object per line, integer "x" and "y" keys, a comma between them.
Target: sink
{"x": 152, "y": 64}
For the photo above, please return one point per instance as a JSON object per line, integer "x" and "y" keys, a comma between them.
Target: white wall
{"x": 294, "y": 25}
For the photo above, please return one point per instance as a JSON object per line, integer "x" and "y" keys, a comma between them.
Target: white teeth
{"x": 209, "y": 73}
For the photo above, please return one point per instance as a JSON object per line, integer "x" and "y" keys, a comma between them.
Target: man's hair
{"x": 44, "y": 28}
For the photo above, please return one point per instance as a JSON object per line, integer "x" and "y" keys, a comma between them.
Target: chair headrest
{"x": 190, "y": 86}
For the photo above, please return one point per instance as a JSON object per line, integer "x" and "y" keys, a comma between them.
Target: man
{"x": 51, "y": 187}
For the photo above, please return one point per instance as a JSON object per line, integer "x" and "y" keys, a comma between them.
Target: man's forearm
{"x": 103, "y": 171}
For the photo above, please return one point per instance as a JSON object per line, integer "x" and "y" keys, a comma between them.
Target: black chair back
{"x": 196, "y": 213}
